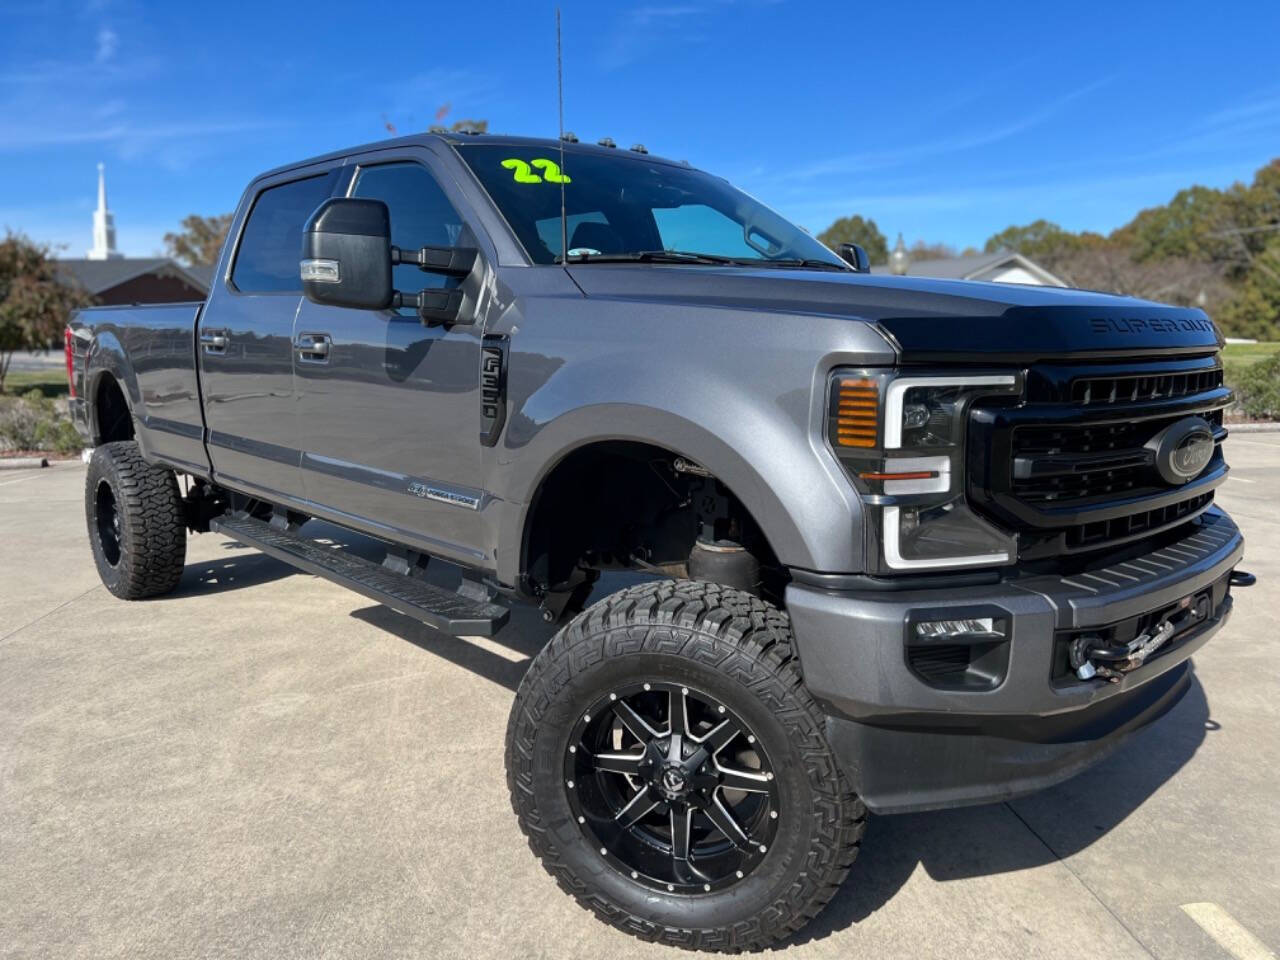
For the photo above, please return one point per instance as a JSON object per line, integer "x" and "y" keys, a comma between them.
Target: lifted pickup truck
{"x": 911, "y": 543}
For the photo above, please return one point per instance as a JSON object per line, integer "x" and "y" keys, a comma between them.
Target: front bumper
{"x": 912, "y": 738}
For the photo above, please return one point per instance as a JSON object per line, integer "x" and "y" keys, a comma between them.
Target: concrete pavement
{"x": 266, "y": 765}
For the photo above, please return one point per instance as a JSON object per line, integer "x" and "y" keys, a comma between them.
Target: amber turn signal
{"x": 857, "y": 409}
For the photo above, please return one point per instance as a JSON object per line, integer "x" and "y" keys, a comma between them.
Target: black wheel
{"x": 136, "y": 524}
{"x": 670, "y": 770}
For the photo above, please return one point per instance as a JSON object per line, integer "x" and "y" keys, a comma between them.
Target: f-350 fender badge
{"x": 493, "y": 388}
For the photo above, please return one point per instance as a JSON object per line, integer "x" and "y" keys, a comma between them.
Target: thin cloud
{"x": 644, "y": 29}
{"x": 878, "y": 160}
{"x": 108, "y": 43}
{"x": 14, "y": 137}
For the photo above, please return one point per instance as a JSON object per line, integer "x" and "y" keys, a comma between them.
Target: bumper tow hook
{"x": 1242, "y": 578}
{"x": 1092, "y": 657}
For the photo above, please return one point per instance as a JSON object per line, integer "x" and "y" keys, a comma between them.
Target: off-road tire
{"x": 738, "y": 648}
{"x": 143, "y": 554}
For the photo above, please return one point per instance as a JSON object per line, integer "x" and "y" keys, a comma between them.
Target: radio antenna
{"x": 564, "y": 226}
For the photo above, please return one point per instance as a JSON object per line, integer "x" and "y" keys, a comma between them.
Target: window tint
{"x": 271, "y": 245}
{"x": 549, "y": 229}
{"x": 618, "y": 203}
{"x": 699, "y": 228}
{"x": 421, "y": 216}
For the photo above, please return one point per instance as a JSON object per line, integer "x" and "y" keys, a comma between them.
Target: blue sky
{"x": 945, "y": 121}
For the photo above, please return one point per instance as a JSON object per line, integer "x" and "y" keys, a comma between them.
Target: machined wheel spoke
{"x": 751, "y": 781}
{"x": 624, "y": 763}
{"x": 720, "y": 737}
{"x": 680, "y": 833}
{"x": 636, "y": 808}
{"x": 634, "y": 723}
{"x": 724, "y": 822}
{"x": 678, "y": 713}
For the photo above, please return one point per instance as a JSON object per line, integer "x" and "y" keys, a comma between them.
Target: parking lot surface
{"x": 265, "y": 765}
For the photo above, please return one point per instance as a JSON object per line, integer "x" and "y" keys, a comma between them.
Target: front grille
{"x": 1072, "y": 468}
{"x": 1103, "y": 532}
{"x": 1130, "y": 389}
{"x": 1088, "y": 460}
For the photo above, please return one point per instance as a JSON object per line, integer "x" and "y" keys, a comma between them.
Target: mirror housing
{"x": 347, "y": 258}
{"x": 855, "y": 256}
{"x": 346, "y": 254}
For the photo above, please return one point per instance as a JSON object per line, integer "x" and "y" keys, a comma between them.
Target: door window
{"x": 421, "y": 216}
{"x": 271, "y": 244}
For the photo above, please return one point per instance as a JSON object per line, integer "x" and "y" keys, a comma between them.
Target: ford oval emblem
{"x": 1182, "y": 450}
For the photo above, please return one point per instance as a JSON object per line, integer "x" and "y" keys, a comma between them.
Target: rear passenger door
{"x": 246, "y": 341}
{"x": 389, "y": 412}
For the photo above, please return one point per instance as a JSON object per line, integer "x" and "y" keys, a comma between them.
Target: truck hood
{"x": 928, "y": 320}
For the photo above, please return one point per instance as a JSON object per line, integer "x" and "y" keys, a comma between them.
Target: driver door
{"x": 388, "y": 409}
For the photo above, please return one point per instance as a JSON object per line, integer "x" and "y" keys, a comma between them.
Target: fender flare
{"x": 756, "y": 477}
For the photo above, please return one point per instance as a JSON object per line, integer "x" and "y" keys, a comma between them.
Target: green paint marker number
{"x": 522, "y": 172}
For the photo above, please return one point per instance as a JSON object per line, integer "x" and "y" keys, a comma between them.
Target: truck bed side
{"x": 148, "y": 354}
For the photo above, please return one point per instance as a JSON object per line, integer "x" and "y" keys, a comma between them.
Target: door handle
{"x": 213, "y": 341}
{"x": 313, "y": 347}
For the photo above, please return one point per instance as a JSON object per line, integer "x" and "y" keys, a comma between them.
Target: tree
{"x": 1230, "y": 227}
{"x": 35, "y": 302}
{"x": 1042, "y": 240}
{"x": 200, "y": 240}
{"x": 1254, "y": 311}
{"x": 930, "y": 251}
{"x": 854, "y": 229}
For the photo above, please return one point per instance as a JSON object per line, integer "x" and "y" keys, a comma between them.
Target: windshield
{"x": 627, "y": 207}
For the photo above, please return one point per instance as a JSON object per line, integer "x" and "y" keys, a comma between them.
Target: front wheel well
{"x": 629, "y": 505}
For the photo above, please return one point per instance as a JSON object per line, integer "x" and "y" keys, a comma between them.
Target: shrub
{"x": 1257, "y": 389}
{"x": 36, "y": 422}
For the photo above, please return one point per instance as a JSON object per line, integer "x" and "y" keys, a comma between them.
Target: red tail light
{"x": 71, "y": 369}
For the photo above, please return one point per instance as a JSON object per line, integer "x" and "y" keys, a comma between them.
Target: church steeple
{"x": 104, "y": 225}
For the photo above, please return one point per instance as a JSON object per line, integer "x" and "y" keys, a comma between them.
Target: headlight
{"x": 901, "y": 440}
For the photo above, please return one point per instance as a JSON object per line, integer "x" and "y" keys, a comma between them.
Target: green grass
{"x": 52, "y": 383}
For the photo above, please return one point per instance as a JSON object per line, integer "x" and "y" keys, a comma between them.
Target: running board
{"x": 445, "y": 610}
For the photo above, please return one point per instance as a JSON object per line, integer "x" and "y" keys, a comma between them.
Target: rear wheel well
{"x": 111, "y": 412}
{"x": 627, "y": 505}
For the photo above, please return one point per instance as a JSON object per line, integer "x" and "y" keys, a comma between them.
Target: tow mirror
{"x": 855, "y": 256}
{"x": 347, "y": 258}
{"x": 346, "y": 254}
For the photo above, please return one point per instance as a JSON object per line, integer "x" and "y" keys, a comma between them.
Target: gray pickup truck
{"x": 905, "y": 544}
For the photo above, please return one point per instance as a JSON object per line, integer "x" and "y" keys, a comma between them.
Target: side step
{"x": 437, "y": 607}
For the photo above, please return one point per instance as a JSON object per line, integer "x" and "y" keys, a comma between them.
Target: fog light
{"x": 972, "y": 627}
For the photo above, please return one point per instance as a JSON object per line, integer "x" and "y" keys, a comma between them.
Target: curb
{"x": 23, "y": 463}
{"x": 1252, "y": 427}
